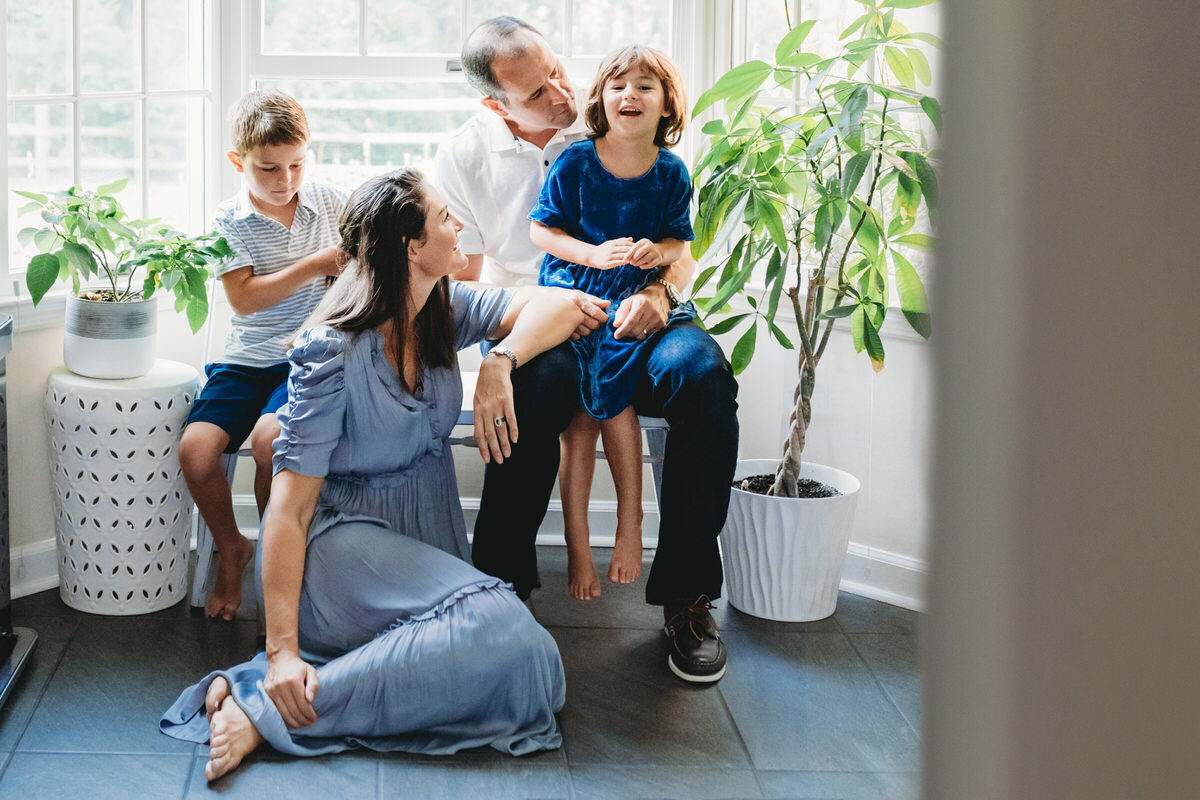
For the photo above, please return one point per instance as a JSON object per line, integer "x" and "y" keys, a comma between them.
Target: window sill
{"x": 49, "y": 313}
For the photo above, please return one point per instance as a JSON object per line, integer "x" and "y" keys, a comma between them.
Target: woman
{"x": 379, "y": 632}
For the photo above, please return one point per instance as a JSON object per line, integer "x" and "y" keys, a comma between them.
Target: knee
{"x": 262, "y": 440}
{"x": 200, "y": 450}
{"x": 698, "y": 372}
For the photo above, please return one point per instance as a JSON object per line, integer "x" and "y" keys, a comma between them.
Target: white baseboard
{"x": 34, "y": 567}
{"x": 880, "y": 575}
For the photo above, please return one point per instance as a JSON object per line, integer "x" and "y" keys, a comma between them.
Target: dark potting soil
{"x": 805, "y": 487}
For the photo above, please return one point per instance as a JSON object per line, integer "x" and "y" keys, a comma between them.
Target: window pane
{"x": 108, "y": 46}
{"x": 39, "y": 160}
{"x": 109, "y": 148}
{"x": 416, "y": 26}
{"x": 362, "y": 128}
{"x": 175, "y": 44}
{"x": 39, "y": 47}
{"x": 546, "y": 17}
{"x": 310, "y": 26}
{"x": 175, "y": 161}
{"x": 765, "y": 25}
{"x": 599, "y": 28}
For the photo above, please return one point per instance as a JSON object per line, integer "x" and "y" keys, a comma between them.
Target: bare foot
{"x": 581, "y": 575}
{"x": 227, "y": 590}
{"x": 626, "y": 563}
{"x": 231, "y": 734}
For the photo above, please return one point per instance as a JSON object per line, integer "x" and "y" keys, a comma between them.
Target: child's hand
{"x": 644, "y": 254}
{"x": 610, "y": 254}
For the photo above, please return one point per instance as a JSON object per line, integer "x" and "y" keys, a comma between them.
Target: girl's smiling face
{"x": 634, "y": 102}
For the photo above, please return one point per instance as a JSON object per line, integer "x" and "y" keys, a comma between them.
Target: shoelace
{"x": 695, "y": 612}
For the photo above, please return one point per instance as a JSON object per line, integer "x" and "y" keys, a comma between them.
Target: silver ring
{"x": 645, "y": 332}
{"x": 498, "y": 421}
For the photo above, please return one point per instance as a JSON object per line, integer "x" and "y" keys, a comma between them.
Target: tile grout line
{"x": 879, "y": 683}
{"x": 741, "y": 740}
{"x": 42, "y": 694}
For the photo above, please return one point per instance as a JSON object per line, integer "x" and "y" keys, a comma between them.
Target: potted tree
{"x": 813, "y": 193}
{"x": 86, "y": 235}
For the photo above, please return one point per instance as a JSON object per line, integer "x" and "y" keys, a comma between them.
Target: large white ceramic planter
{"x": 110, "y": 340}
{"x": 784, "y": 556}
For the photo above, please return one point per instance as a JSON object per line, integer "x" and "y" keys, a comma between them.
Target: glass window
{"x": 546, "y": 17}
{"x": 39, "y": 47}
{"x": 310, "y": 26}
{"x": 416, "y": 26}
{"x": 108, "y": 45}
{"x": 599, "y": 28}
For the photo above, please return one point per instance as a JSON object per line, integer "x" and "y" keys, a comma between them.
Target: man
{"x": 491, "y": 171}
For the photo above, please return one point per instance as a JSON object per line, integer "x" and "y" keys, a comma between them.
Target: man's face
{"x": 538, "y": 96}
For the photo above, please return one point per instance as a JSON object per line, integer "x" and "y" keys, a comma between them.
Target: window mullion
{"x": 144, "y": 104}
{"x": 76, "y": 87}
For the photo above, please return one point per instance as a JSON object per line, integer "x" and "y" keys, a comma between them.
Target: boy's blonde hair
{"x": 267, "y": 117}
{"x": 670, "y": 127}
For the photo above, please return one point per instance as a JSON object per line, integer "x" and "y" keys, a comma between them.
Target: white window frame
{"x": 13, "y": 292}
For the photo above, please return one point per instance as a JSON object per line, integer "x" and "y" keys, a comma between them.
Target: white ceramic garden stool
{"x": 122, "y": 512}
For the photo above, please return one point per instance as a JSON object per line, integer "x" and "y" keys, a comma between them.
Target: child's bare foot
{"x": 581, "y": 576}
{"x": 231, "y": 734}
{"x": 626, "y": 563}
{"x": 227, "y": 589}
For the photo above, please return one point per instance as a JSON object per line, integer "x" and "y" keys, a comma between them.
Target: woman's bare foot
{"x": 626, "y": 563}
{"x": 581, "y": 575}
{"x": 231, "y": 734}
{"x": 227, "y": 590}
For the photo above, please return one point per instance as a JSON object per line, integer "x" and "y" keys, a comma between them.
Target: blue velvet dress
{"x": 591, "y": 204}
{"x": 415, "y": 649}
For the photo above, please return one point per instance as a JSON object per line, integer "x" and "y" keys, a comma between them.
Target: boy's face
{"x": 273, "y": 172}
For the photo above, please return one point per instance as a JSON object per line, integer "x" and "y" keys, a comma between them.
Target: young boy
{"x": 284, "y": 236}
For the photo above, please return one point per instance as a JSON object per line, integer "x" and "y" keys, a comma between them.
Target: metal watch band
{"x": 673, "y": 296}
{"x": 501, "y": 350}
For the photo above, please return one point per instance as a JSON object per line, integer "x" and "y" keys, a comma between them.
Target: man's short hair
{"x": 491, "y": 39}
{"x": 267, "y": 117}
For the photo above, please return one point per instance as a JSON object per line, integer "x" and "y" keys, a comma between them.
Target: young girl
{"x": 613, "y": 211}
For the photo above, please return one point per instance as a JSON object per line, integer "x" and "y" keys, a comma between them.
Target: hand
{"x": 331, "y": 261}
{"x": 594, "y": 314}
{"x": 494, "y": 401}
{"x": 645, "y": 254}
{"x": 292, "y": 685}
{"x": 642, "y": 314}
{"x": 610, "y": 254}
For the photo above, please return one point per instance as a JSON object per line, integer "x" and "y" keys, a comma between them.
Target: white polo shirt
{"x": 490, "y": 180}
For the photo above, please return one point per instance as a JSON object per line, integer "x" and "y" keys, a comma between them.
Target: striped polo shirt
{"x": 261, "y": 339}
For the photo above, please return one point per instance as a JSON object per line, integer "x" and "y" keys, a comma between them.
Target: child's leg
{"x": 578, "y": 463}
{"x": 200, "y": 452}
{"x": 623, "y": 449}
{"x": 262, "y": 440}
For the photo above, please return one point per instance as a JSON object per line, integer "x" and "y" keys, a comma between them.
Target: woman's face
{"x": 437, "y": 253}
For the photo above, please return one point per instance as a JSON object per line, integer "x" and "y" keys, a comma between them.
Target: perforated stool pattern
{"x": 122, "y": 510}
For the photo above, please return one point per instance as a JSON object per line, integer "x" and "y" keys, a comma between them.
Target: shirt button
{"x": 546, "y": 163}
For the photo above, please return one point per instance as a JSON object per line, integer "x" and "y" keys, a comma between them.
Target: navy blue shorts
{"x": 235, "y": 396}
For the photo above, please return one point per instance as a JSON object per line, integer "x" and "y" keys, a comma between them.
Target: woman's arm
{"x": 291, "y": 683}
{"x": 249, "y": 293}
{"x": 561, "y": 244}
{"x": 537, "y": 319}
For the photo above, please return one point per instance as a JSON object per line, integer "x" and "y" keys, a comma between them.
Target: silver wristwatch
{"x": 501, "y": 350}
{"x": 673, "y": 296}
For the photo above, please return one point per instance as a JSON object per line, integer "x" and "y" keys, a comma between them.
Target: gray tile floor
{"x": 829, "y": 709}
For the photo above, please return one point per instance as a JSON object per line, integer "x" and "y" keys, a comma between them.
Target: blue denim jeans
{"x": 689, "y": 382}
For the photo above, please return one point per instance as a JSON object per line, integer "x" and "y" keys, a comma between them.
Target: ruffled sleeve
{"x": 312, "y": 418}
{"x": 477, "y": 312}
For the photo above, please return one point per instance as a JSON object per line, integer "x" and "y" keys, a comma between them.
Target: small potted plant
{"x": 86, "y": 237}
{"x": 815, "y": 190}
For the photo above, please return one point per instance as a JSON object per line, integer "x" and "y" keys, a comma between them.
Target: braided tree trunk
{"x": 788, "y": 475}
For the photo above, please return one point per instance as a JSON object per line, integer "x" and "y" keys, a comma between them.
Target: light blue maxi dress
{"x": 415, "y": 649}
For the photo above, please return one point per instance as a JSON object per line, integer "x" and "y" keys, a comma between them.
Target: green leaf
{"x": 41, "y": 275}
{"x": 726, "y": 325}
{"x": 800, "y": 60}
{"x": 41, "y": 199}
{"x": 792, "y": 40}
{"x": 714, "y": 127}
{"x": 743, "y": 351}
{"x": 854, "y": 26}
{"x": 900, "y": 65}
{"x": 112, "y": 188}
{"x": 780, "y": 337}
{"x": 197, "y": 312}
{"x": 927, "y": 177}
{"x": 739, "y": 82}
{"x": 169, "y": 277}
{"x": 814, "y": 147}
{"x": 703, "y": 278}
{"x": 920, "y": 65}
{"x": 148, "y": 288}
{"x": 728, "y": 288}
{"x": 920, "y": 241}
{"x": 197, "y": 281}
{"x": 80, "y": 258}
{"x": 45, "y": 239}
{"x": 769, "y": 214}
{"x": 855, "y": 168}
{"x": 906, "y": 3}
{"x": 933, "y": 110}
{"x": 913, "y": 302}
{"x": 837, "y": 312}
